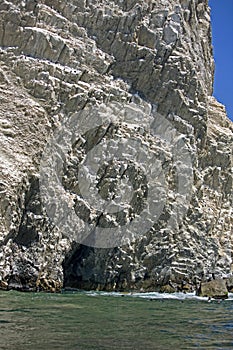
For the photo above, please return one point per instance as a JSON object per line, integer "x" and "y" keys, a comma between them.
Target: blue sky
{"x": 222, "y": 32}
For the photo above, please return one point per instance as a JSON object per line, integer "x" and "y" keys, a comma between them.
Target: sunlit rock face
{"x": 147, "y": 64}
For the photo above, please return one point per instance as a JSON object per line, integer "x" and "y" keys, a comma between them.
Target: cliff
{"x": 116, "y": 161}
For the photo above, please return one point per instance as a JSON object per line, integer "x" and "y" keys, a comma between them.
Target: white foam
{"x": 156, "y": 295}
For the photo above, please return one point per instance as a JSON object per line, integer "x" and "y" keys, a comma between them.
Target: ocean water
{"x": 92, "y": 320}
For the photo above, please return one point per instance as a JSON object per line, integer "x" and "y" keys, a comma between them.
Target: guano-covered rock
{"x": 151, "y": 60}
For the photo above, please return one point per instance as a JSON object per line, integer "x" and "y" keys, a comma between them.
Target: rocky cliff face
{"x": 149, "y": 64}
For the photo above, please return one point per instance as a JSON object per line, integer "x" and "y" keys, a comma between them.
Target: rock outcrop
{"x": 151, "y": 58}
{"x": 214, "y": 289}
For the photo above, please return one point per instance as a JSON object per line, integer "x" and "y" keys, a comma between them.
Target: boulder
{"x": 3, "y": 285}
{"x": 214, "y": 289}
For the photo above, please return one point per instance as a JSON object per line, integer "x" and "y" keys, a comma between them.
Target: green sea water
{"x": 84, "y": 321}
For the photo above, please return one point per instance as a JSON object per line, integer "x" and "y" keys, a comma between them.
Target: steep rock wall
{"x": 58, "y": 58}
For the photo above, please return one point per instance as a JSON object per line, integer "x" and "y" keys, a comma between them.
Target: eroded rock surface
{"x": 214, "y": 289}
{"x": 58, "y": 58}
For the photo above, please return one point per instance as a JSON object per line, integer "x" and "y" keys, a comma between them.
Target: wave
{"x": 155, "y": 295}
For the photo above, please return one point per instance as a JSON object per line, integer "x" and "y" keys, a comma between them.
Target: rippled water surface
{"x": 113, "y": 321}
